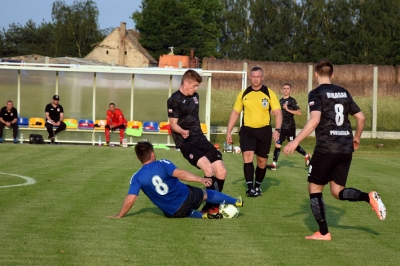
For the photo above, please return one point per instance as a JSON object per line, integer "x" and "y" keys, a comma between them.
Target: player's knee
{"x": 221, "y": 173}
{"x": 208, "y": 170}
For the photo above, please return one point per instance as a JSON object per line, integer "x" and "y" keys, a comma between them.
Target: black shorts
{"x": 194, "y": 151}
{"x": 286, "y": 134}
{"x": 193, "y": 202}
{"x": 329, "y": 167}
{"x": 256, "y": 139}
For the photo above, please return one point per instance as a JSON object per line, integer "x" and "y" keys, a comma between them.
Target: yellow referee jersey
{"x": 256, "y": 106}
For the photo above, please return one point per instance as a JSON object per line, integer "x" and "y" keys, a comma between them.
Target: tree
{"x": 377, "y": 27}
{"x": 272, "y": 33}
{"x": 236, "y": 27}
{"x": 183, "y": 24}
{"x": 27, "y": 39}
{"x": 76, "y": 27}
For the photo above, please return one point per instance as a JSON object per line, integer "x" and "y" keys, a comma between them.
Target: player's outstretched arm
{"x": 126, "y": 206}
{"x": 188, "y": 176}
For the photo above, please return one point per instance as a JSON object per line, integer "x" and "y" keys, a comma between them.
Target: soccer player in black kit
{"x": 183, "y": 115}
{"x": 289, "y": 108}
{"x": 330, "y": 106}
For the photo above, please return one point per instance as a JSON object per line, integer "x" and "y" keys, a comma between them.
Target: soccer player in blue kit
{"x": 330, "y": 105}
{"x": 160, "y": 181}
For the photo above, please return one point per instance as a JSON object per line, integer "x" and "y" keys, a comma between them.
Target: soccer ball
{"x": 229, "y": 210}
{"x": 236, "y": 149}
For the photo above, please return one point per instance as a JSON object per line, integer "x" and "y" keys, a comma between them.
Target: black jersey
{"x": 8, "y": 116}
{"x": 54, "y": 112}
{"x": 186, "y": 109}
{"x": 288, "y": 120}
{"x": 333, "y": 133}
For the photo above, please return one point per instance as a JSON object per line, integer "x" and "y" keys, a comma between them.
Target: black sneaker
{"x": 257, "y": 191}
{"x": 208, "y": 215}
{"x": 251, "y": 193}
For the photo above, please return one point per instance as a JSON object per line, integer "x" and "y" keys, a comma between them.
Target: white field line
{"x": 29, "y": 180}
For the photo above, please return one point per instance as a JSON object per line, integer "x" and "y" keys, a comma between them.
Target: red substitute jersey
{"x": 116, "y": 117}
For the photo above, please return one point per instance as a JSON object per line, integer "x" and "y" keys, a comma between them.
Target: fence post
{"x": 244, "y": 86}
{"x": 374, "y": 102}
{"x": 310, "y": 78}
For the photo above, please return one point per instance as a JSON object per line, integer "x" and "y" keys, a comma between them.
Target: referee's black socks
{"x": 260, "y": 174}
{"x": 248, "y": 169}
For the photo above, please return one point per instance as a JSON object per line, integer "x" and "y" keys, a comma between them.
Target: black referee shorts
{"x": 256, "y": 139}
{"x": 193, "y": 202}
{"x": 324, "y": 168}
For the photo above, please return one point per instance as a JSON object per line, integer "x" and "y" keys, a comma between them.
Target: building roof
{"x": 76, "y": 61}
{"x": 133, "y": 36}
{"x": 35, "y": 58}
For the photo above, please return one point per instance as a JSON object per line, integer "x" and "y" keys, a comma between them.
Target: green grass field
{"x": 61, "y": 219}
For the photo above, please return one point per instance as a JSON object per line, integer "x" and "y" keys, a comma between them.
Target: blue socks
{"x": 216, "y": 197}
{"x": 196, "y": 214}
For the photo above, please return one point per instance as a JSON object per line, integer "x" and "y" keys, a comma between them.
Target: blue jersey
{"x": 157, "y": 182}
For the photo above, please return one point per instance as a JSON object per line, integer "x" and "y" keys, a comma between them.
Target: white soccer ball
{"x": 236, "y": 149}
{"x": 229, "y": 211}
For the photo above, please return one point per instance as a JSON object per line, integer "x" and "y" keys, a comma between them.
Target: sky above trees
{"x": 112, "y": 12}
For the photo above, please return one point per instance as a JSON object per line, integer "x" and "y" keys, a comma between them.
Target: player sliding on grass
{"x": 330, "y": 106}
{"x": 159, "y": 180}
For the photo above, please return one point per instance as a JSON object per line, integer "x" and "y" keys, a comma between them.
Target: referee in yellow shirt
{"x": 257, "y": 102}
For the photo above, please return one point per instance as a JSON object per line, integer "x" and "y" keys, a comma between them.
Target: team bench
{"x": 88, "y": 132}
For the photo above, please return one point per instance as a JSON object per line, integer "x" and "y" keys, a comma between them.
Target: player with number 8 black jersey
{"x": 330, "y": 105}
{"x": 333, "y": 133}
